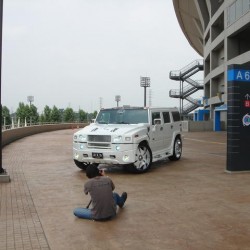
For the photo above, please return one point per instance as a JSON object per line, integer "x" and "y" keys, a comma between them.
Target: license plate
{"x": 97, "y": 155}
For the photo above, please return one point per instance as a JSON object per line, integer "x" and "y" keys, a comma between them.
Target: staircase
{"x": 184, "y": 75}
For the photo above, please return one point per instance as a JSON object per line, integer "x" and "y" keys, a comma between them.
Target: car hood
{"x": 112, "y": 129}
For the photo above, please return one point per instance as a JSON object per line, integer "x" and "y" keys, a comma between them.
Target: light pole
{"x": 145, "y": 83}
{"x": 4, "y": 177}
{"x": 1, "y": 20}
{"x": 30, "y": 99}
{"x": 117, "y": 99}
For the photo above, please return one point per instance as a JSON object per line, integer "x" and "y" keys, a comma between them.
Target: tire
{"x": 177, "y": 150}
{"x": 143, "y": 160}
{"x": 82, "y": 165}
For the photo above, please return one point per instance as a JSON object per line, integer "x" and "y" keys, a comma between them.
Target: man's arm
{"x": 112, "y": 185}
{"x": 86, "y": 190}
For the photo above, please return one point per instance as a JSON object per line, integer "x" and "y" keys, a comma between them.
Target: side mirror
{"x": 157, "y": 121}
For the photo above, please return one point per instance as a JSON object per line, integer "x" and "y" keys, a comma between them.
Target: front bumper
{"x": 117, "y": 154}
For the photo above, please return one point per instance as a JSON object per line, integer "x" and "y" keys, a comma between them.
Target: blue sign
{"x": 238, "y": 117}
{"x": 239, "y": 75}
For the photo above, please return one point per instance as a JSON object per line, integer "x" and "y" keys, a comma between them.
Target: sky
{"x": 82, "y": 53}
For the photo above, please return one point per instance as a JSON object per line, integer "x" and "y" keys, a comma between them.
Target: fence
{"x": 14, "y": 133}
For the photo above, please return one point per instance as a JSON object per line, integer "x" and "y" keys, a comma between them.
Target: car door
{"x": 156, "y": 132}
{"x": 176, "y": 121}
{"x": 167, "y": 130}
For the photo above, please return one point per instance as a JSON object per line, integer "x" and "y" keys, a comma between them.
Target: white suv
{"x": 129, "y": 136}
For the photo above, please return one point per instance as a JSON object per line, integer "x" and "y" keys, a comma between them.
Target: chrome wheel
{"x": 177, "y": 150}
{"x": 143, "y": 159}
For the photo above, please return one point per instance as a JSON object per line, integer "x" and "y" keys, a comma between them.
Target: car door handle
{"x": 161, "y": 128}
{"x": 171, "y": 126}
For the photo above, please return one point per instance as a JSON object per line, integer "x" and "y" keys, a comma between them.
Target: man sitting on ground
{"x": 104, "y": 200}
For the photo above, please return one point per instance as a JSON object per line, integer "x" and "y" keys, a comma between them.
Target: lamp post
{"x": 117, "y": 99}
{"x": 4, "y": 177}
{"x": 145, "y": 83}
{"x": 30, "y": 99}
{"x": 1, "y": 28}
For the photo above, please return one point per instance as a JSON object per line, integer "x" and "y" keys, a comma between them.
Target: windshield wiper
{"x": 101, "y": 122}
{"x": 122, "y": 123}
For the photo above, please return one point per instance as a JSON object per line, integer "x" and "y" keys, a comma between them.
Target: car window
{"x": 176, "y": 116}
{"x": 122, "y": 116}
{"x": 166, "y": 117}
{"x": 155, "y": 115}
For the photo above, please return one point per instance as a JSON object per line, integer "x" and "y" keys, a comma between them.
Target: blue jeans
{"x": 85, "y": 213}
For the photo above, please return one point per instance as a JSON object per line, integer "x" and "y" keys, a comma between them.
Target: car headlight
{"x": 82, "y": 137}
{"x": 128, "y": 138}
{"x": 118, "y": 139}
{"x": 125, "y": 158}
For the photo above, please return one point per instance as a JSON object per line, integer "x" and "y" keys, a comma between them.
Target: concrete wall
{"x": 197, "y": 126}
{"x": 11, "y": 135}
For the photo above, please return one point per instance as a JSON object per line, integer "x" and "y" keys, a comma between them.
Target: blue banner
{"x": 239, "y": 75}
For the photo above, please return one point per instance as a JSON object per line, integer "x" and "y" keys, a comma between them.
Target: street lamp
{"x": 145, "y": 83}
{"x": 117, "y": 99}
{"x": 30, "y": 99}
{"x": 4, "y": 177}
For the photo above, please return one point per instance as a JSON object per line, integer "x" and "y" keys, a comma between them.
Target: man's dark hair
{"x": 92, "y": 171}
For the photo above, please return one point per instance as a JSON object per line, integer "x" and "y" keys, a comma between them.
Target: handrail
{"x": 194, "y": 101}
{"x": 186, "y": 89}
{"x": 22, "y": 125}
{"x": 11, "y": 135}
{"x": 195, "y": 83}
{"x": 198, "y": 62}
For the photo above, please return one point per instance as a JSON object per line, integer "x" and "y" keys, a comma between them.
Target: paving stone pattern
{"x": 191, "y": 204}
{"x": 20, "y": 226}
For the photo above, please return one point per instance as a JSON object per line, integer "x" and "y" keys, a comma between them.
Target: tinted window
{"x": 176, "y": 116}
{"x": 155, "y": 115}
{"x": 122, "y": 116}
{"x": 166, "y": 117}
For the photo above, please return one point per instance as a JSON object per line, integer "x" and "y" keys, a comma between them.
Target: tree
{"x": 55, "y": 115}
{"x": 92, "y": 115}
{"x": 82, "y": 115}
{"x": 42, "y": 118}
{"x": 69, "y": 115}
{"x": 23, "y": 111}
{"x": 28, "y": 112}
{"x": 6, "y": 114}
{"x": 47, "y": 114}
{"x": 33, "y": 114}
{"x": 95, "y": 114}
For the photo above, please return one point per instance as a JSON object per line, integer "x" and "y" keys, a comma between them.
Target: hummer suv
{"x": 130, "y": 136}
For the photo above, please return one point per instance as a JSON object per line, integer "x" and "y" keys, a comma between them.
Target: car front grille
{"x": 99, "y": 145}
{"x": 99, "y": 141}
{"x": 99, "y": 138}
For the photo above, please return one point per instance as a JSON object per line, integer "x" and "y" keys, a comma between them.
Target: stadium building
{"x": 219, "y": 30}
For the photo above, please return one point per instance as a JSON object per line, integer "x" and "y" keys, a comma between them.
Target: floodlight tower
{"x": 145, "y": 83}
{"x": 30, "y": 99}
{"x": 117, "y": 99}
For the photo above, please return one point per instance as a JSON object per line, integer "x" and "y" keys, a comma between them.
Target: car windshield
{"x": 122, "y": 116}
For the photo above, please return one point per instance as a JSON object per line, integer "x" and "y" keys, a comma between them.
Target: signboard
{"x": 239, "y": 75}
{"x": 238, "y": 117}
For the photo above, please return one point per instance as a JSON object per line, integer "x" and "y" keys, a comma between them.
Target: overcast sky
{"x": 82, "y": 53}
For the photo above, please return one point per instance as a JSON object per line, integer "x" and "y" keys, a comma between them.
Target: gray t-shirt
{"x": 101, "y": 189}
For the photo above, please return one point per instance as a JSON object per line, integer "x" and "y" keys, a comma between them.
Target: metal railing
{"x": 28, "y": 124}
{"x": 188, "y": 68}
{"x": 187, "y": 90}
{"x": 192, "y": 105}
